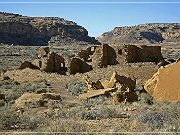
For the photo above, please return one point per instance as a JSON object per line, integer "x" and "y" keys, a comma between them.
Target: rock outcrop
{"x": 34, "y": 100}
{"x": 165, "y": 84}
{"x": 23, "y": 30}
{"x": 142, "y": 34}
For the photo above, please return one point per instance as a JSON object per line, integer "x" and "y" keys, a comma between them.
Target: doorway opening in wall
{"x": 62, "y": 64}
{"x": 40, "y": 64}
{"x": 120, "y": 51}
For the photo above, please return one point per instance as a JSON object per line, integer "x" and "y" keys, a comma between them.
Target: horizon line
{"x": 63, "y": 2}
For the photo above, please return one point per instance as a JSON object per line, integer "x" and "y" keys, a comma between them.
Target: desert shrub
{"x": 143, "y": 96}
{"x": 76, "y": 87}
{"x": 154, "y": 120}
{"x": 100, "y": 100}
{"x": 10, "y": 120}
{"x": 100, "y": 113}
{"x": 31, "y": 87}
{"x": 55, "y": 104}
{"x": 63, "y": 126}
{"x": 9, "y": 85}
{"x": 7, "y": 119}
{"x": 110, "y": 112}
{"x": 93, "y": 113}
{"x": 2, "y": 103}
{"x": 13, "y": 95}
{"x": 163, "y": 116}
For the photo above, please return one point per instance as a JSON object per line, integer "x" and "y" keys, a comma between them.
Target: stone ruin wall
{"x": 150, "y": 54}
{"x": 96, "y": 57}
{"x": 104, "y": 55}
{"x": 131, "y": 54}
{"x": 143, "y": 53}
{"x": 120, "y": 53}
{"x": 77, "y": 65}
{"x": 50, "y": 62}
{"x": 86, "y": 54}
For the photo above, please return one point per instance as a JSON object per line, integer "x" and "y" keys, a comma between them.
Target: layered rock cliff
{"x": 23, "y": 30}
{"x": 142, "y": 34}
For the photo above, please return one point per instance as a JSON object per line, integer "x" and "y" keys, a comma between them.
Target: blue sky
{"x": 101, "y": 17}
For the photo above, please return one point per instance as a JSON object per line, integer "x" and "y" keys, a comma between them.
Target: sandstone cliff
{"x": 23, "y": 30}
{"x": 142, "y": 34}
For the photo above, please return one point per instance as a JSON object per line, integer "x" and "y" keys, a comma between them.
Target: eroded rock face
{"x": 142, "y": 34}
{"x": 165, "y": 84}
{"x": 23, "y": 30}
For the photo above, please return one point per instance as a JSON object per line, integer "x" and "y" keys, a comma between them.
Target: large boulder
{"x": 165, "y": 84}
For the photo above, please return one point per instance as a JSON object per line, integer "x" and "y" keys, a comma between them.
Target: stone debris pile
{"x": 119, "y": 87}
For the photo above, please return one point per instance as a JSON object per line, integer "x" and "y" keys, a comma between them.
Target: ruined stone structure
{"x": 78, "y": 66}
{"x": 118, "y": 54}
{"x": 38, "y": 99}
{"x": 87, "y": 54}
{"x": 51, "y": 63}
{"x": 47, "y": 61}
{"x": 43, "y": 52}
{"x": 94, "y": 57}
{"x": 132, "y": 53}
{"x": 104, "y": 55}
